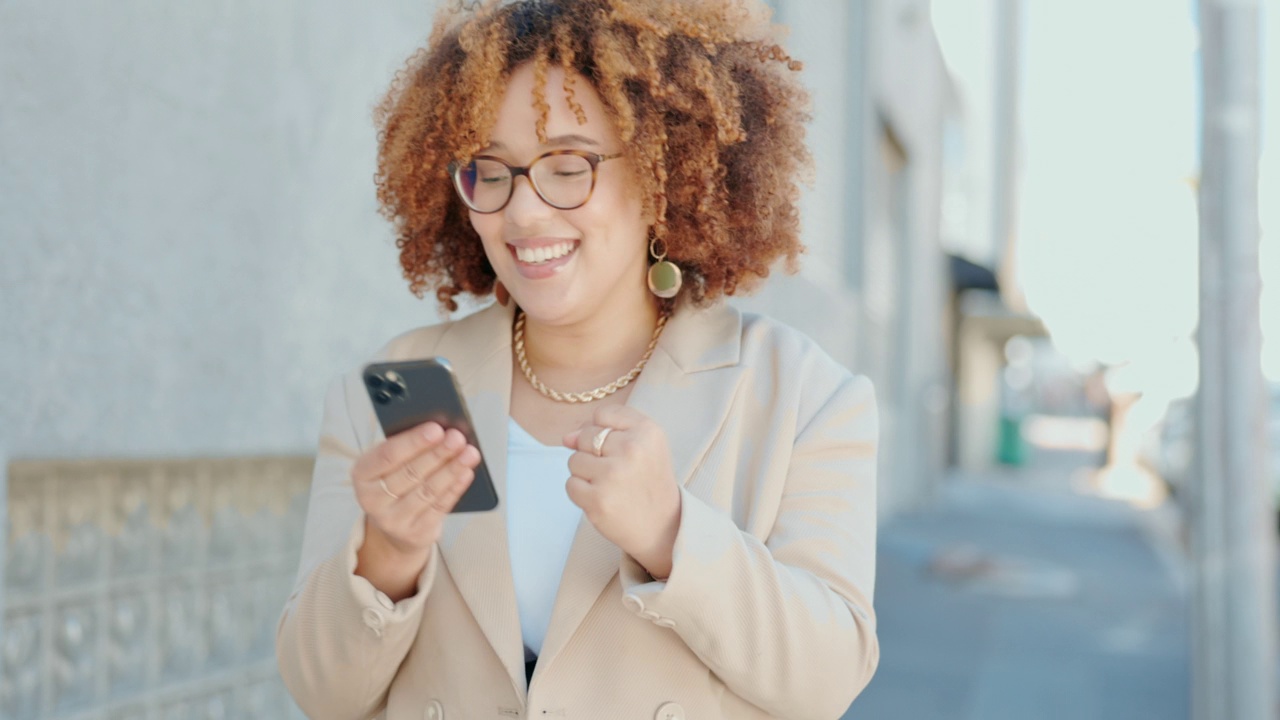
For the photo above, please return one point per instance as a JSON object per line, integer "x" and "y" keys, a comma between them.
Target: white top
{"x": 541, "y": 523}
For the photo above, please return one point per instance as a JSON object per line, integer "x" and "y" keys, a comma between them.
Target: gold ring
{"x": 597, "y": 442}
{"x": 383, "y": 484}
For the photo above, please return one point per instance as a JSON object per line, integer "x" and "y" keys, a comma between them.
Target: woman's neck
{"x": 594, "y": 351}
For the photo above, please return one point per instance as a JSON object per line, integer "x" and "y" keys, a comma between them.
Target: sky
{"x": 1107, "y": 227}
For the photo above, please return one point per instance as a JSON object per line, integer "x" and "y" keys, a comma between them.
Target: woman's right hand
{"x": 406, "y": 486}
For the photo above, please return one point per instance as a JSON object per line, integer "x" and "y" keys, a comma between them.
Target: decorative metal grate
{"x": 148, "y": 589}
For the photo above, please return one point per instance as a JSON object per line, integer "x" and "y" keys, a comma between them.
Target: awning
{"x": 967, "y": 275}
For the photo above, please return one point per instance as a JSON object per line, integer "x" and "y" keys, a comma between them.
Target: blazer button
{"x": 670, "y": 711}
{"x": 435, "y": 711}
{"x": 633, "y": 603}
{"x": 372, "y": 619}
{"x": 650, "y": 615}
{"x": 667, "y": 623}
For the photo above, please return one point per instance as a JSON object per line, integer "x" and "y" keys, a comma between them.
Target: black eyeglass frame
{"x": 455, "y": 168}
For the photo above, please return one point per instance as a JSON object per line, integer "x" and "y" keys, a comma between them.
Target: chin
{"x": 546, "y": 307}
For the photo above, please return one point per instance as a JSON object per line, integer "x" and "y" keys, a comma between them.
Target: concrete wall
{"x": 149, "y": 589}
{"x": 189, "y": 245}
{"x": 189, "y": 251}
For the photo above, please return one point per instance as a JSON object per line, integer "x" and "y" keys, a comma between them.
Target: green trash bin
{"x": 1012, "y": 448}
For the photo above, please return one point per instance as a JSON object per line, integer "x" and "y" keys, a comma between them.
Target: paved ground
{"x": 1015, "y": 598}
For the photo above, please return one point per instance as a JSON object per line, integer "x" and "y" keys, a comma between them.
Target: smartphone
{"x": 410, "y": 392}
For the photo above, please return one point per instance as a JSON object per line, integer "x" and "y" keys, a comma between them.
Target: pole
{"x": 1234, "y": 604}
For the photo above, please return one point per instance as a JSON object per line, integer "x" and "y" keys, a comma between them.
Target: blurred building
{"x": 874, "y": 284}
{"x": 981, "y": 42}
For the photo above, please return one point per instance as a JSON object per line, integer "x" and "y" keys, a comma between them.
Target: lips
{"x": 537, "y": 260}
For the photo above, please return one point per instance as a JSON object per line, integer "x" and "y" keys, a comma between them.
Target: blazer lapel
{"x": 474, "y": 545}
{"x": 687, "y": 388}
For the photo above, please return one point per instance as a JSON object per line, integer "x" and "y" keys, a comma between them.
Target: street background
{"x": 1002, "y": 233}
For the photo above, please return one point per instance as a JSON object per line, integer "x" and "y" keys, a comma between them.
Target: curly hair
{"x": 709, "y": 107}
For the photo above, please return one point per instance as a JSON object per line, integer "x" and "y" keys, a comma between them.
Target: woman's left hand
{"x": 628, "y": 491}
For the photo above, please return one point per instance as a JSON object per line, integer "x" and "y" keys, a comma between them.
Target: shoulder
{"x": 722, "y": 335}
{"x": 763, "y": 332}
{"x": 797, "y": 366}
{"x": 474, "y": 332}
{"x": 766, "y": 340}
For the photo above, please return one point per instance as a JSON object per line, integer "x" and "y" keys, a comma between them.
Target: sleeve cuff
{"x": 635, "y": 579}
{"x": 703, "y": 532}
{"x": 373, "y": 602}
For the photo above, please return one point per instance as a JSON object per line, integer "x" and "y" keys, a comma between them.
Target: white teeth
{"x": 543, "y": 254}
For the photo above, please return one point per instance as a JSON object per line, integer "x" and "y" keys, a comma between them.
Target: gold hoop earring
{"x": 665, "y": 278}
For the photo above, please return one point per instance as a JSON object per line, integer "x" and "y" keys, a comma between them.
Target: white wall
{"x": 189, "y": 244}
{"x": 189, "y": 241}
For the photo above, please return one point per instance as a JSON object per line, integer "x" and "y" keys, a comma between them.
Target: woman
{"x": 687, "y": 515}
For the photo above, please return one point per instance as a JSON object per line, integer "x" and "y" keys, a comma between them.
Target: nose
{"x": 525, "y": 206}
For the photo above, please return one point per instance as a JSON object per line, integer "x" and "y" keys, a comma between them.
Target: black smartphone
{"x": 410, "y": 392}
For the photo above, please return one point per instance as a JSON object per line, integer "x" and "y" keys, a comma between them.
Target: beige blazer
{"x": 767, "y": 613}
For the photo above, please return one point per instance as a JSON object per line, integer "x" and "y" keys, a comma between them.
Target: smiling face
{"x": 564, "y": 266}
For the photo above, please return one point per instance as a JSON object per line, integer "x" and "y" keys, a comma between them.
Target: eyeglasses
{"x": 564, "y": 179}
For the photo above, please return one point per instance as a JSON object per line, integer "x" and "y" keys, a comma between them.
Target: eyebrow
{"x": 557, "y": 141}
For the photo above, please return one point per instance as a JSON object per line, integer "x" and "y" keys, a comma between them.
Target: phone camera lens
{"x": 383, "y": 397}
{"x": 396, "y": 389}
{"x": 373, "y": 381}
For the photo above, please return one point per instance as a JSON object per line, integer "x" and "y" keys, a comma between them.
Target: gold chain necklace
{"x": 582, "y": 397}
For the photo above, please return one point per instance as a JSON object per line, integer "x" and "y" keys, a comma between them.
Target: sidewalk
{"x": 1015, "y": 598}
